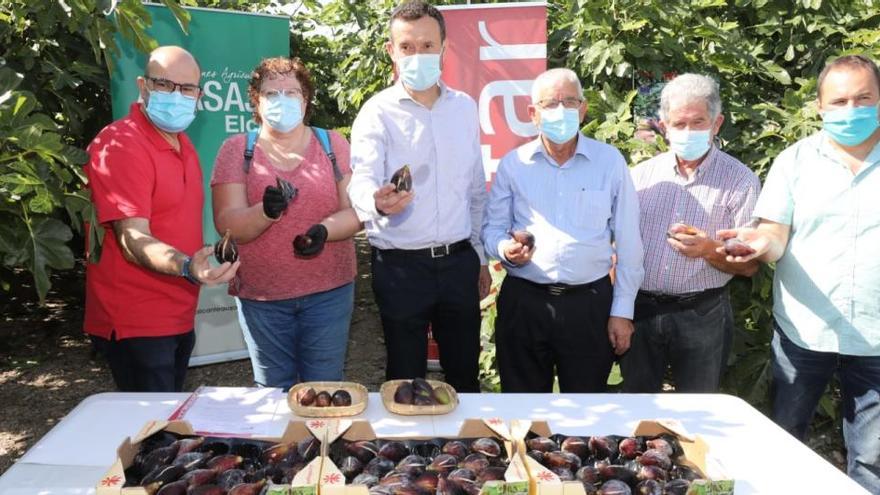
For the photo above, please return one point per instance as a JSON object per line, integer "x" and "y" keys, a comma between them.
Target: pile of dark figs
{"x": 421, "y": 467}
{"x": 171, "y": 464}
{"x": 419, "y": 392}
{"x": 310, "y": 397}
{"x": 615, "y": 465}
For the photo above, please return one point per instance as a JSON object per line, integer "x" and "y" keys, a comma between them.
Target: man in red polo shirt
{"x": 146, "y": 184}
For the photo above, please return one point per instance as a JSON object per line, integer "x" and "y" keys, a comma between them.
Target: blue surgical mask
{"x": 171, "y": 112}
{"x": 850, "y": 126}
{"x": 419, "y": 72}
{"x": 282, "y": 113}
{"x": 689, "y": 144}
{"x": 560, "y": 124}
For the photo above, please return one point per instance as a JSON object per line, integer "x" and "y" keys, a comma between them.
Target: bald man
{"x": 146, "y": 185}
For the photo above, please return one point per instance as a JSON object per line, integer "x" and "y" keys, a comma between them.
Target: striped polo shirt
{"x": 720, "y": 195}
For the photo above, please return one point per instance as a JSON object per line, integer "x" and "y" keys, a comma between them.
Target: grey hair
{"x": 550, "y": 76}
{"x": 690, "y": 88}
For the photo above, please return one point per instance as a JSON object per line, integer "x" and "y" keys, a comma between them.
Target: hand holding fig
{"x": 312, "y": 242}
{"x": 391, "y": 202}
{"x": 520, "y": 247}
{"x": 741, "y": 245}
{"x": 276, "y": 198}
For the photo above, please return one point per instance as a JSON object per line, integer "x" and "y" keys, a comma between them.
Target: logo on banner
{"x": 226, "y": 91}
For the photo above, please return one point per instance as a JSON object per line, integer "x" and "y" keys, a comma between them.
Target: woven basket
{"x": 359, "y": 397}
{"x": 387, "y": 392}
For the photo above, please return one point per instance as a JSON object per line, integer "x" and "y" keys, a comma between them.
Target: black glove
{"x": 312, "y": 242}
{"x": 276, "y": 198}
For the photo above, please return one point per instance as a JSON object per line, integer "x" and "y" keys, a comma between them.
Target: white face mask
{"x": 419, "y": 72}
{"x": 689, "y": 144}
{"x": 282, "y": 113}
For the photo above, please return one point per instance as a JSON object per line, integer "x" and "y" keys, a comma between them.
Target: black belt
{"x": 433, "y": 251}
{"x": 682, "y": 300}
{"x": 562, "y": 289}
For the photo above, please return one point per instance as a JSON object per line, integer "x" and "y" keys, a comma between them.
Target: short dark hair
{"x": 849, "y": 62}
{"x": 413, "y": 10}
{"x": 270, "y": 68}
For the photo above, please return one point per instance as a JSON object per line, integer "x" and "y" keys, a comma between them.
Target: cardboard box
{"x": 516, "y": 481}
{"x": 304, "y": 483}
{"x": 542, "y": 481}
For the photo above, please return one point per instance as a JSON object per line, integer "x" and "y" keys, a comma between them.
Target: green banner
{"x": 228, "y": 45}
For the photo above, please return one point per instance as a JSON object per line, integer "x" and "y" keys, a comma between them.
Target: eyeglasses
{"x": 566, "y": 102}
{"x": 165, "y": 86}
{"x": 275, "y": 93}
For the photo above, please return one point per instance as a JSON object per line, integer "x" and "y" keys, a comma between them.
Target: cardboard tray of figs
{"x": 359, "y": 397}
{"x": 387, "y": 393}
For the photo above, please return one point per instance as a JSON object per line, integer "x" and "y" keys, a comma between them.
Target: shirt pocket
{"x": 592, "y": 208}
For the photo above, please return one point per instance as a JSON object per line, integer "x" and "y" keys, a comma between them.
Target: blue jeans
{"x": 298, "y": 340}
{"x": 799, "y": 379}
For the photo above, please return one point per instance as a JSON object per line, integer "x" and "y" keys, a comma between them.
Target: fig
{"x": 577, "y": 446}
{"x": 160, "y": 476}
{"x": 449, "y": 486}
{"x": 421, "y": 400}
{"x": 226, "y": 249}
{"x": 410, "y": 489}
{"x": 185, "y": 445}
{"x": 684, "y": 472}
{"x": 463, "y": 474}
{"x": 542, "y": 444}
{"x": 323, "y": 399}
{"x": 493, "y": 473}
{"x": 379, "y": 467}
{"x": 649, "y": 487}
{"x": 206, "y": 490}
{"x": 681, "y": 228}
{"x": 223, "y": 462}
{"x": 404, "y": 393}
{"x": 158, "y": 440}
{"x": 587, "y": 474}
{"x": 443, "y": 464}
{"x": 275, "y": 453}
{"x": 192, "y": 460}
{"x": 158, "y": 457}
{"x": 536, "y": 455}
{"x": 667, "y": 444}
{"x": 247, "y": 488}
{"x": 475, "y": 462}
{"x": 427, "y": 481}
{"x": 614, "y": 487}
{"x": 248, "y": 450}
{"x": 630, "y": 448}
{"x": 393, "y": 451}
{"x": 178, "y": 487}
{"x": 651, "y": 473}
{"x": 412, "y": 465}
{"x": 380, "y": 490}
{"x": 351, "y": 467}
{"x": 307, "y": 396}
{"x": 364, "y": 450}
{"x": 654, "y": 457}
{"x": 402, "y": 179}
{"x": 564, "y": 474}
{"x": 422, "y": 387}
{"x": 214, "y": 447}
{"x": 441, "y": 396}
{"x": 562, "y": 459}
{"x": 308, "y": 448}
{"x": 341, "y": 398}
{"x": 200, "y": 476}
{"x": 736, "y": 247}
{"x": 524, "y": 237}
{"x": 617, "y": 472}
{"x": 676, "y": 487}
{"x": 231, "y": 477}
{"x": 365, "y": 479}
{"x": 273, "y": 473}
{"x": 603, "y": 447}
{"x": 486, "y": 446}
{"x": 455, "y": 448}
{"x": 395, "y": 479}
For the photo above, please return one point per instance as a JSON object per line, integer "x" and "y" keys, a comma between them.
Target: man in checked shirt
{"x": 683, "y": 317}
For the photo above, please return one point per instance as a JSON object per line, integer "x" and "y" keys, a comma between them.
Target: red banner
{"x": 493, "y": 53}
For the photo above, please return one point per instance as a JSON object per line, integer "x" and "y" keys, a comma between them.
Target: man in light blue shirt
{"x": 560, "y": 207}
{"x": 428, "y": 265}
{"x": 820, "y": 223}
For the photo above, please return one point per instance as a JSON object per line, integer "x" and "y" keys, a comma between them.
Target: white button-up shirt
{"x": 575, "y": 210}
{"x": 826, "y": 290}
{"x": 441, "y": 145}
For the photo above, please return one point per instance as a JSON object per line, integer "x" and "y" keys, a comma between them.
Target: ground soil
{"x": 47, "y": 367}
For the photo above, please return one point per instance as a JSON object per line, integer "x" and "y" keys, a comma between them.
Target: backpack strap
{"x": 324, "y": 138}
{"x": 249, "y": 149}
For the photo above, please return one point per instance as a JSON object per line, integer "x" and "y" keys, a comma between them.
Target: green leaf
{"x": 46, "y": 248}
{"x": 9, "y": 80}
{"x": 180, "y": 14}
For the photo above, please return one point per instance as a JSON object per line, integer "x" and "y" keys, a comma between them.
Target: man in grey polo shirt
{"x": 820, "y": 223}
{"x": 428, "y": 264}
{"x": 683, "y": 317}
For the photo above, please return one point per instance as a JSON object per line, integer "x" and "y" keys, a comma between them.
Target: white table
{"x": 762, "y": 458}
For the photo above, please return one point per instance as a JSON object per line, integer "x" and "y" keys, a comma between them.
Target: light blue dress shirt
{"x": 441, "y": 145}
{"x": 826, "y": 290}
{"x": 575, "y": 211}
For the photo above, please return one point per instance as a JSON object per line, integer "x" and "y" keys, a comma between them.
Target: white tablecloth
{"x": 753, "y": 450}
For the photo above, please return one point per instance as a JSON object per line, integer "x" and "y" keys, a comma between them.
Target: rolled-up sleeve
{"x": 628, "y": 244}
{"x": 367, "y": 162}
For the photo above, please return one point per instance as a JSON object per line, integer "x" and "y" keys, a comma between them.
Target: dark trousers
{"x": 415, "y": 290}
{"x": 537, "y": 333}
{"x": 691, "y": 339}
{"x": 147, "y": 364}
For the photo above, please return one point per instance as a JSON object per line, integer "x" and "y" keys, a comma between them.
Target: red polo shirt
{"x": 134, "y": 172}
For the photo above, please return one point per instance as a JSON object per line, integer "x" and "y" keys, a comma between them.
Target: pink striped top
{"x": 269, "y": 270}
{"x": 720, "y": 195}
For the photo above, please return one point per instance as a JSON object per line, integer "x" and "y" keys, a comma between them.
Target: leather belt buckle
{"x": 555, "y": 289}
{"x": 439, "y": 251}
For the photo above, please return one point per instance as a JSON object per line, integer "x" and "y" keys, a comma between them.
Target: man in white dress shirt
{"x": 428, "y": 265}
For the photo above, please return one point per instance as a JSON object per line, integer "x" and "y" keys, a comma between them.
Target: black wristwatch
{"x": 186, "y": 271}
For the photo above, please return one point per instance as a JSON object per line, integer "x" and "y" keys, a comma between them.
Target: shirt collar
{"x": 704, "y": 166}
{"x": 136, "y": 113}
{"x": 537, "y": 146}
{"x": 400, "y": 93}
{"x": 829, "y": 151}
